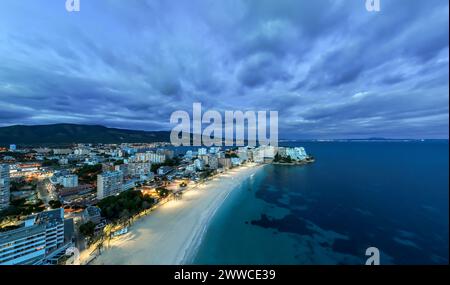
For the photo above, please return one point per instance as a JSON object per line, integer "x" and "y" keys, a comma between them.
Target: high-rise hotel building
{"x": 37, "y": 240}
{"x": 4, "y": 186}
{"x": 109, "y": 183}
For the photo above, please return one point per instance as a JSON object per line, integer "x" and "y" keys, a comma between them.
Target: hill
{"x": 73, "y": 133}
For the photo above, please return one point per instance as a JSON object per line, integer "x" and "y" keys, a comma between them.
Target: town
{"x": 80, "y": 196}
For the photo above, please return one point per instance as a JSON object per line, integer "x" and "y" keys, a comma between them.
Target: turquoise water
{"x": 391, "y": 195}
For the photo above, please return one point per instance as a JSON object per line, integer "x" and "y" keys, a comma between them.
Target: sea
{"x": 391, "y": 195}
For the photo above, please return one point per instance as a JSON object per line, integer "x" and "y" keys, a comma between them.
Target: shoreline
{"x": 172, "y": 234}
{"x": 294, "y": 163}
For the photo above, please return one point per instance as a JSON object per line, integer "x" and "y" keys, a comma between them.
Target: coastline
{"x": 172, "y": 234}
{"x": 303, "y": 162}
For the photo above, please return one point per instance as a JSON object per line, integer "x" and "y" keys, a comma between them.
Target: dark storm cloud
{"x": 330, "y": 68}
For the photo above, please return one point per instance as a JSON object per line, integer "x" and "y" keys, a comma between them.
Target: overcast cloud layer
{"x": 331, "y": 69}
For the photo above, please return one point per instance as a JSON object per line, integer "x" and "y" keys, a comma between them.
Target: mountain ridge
{"x": 76, "y": 133}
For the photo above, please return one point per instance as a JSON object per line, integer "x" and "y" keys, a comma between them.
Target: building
{"x": 189, "y": 154}
{"x": 297, "y": 153}
{"x": 62, "y": 151}
{"x": 39, "y": 240}
{"x": 213, "y": 162}
{"x": 214, "y": 150}
{"x": 4, "y": 186}
{"x": 139, "y": 168}
{"x": 235, "y": 161}
{"x": 68, "y": 181}
{"x": 149, "y": 156}
{"x": 190, "y": 168}
{"x": 262, "y": 154}
{"x": 82, "y": 151}
{"x": 156, "y": 157}
{"x": 258, "y": 155}
{"x": 204, "y": 157}
{"x": 163, "y": 170}
{"x": 128, "y": 185}
{"x": 169, "y": 154}
{"x": 225, "y": 162}
{"x": 92, "y": 214}
{"x": 12, "y": 147}
{"x": 199, "y": 164}
{"x": 202, "y": 151}
{"x": 243, "y": 153}
{"x": 282, "y": 151}
{"x": 67, "y": 193}
{"x": 269, "y": 151}
{"x": 109, "y": 183}
{"x": 123, "y": 168}
{"x": 129, "y": 150}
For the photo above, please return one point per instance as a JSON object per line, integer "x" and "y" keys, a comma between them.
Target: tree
{"x": 55, "y": 204}
{"x": 155, "y": 167}
{"x": 127, "y": 203}
{"x": 277, "y": 158}
{"x": 230, "y": 155}
{"x": 87, "y": 229}
{"x": 50, "y": 162}
{"x": 125, "y": 214}
{"x": 162, "y": 192}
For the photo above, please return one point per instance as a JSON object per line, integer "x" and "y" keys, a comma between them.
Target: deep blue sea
{"x": 389, "y": 195}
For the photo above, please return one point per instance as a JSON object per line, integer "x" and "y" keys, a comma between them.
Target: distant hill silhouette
{"x": 73, "y": 133}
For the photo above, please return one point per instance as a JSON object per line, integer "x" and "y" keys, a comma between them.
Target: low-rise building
{"x": 199, "y": 164}
{"x": 92, "y": 214}
{"x": 163, "y": 170}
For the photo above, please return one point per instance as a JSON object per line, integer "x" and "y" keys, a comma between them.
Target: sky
{"x": 330, "y": 68}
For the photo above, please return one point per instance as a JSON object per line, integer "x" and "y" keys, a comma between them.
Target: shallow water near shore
{"x": 391, "y": 195}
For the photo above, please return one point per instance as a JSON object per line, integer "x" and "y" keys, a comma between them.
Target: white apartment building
{"x": 62, "y": 151}
{"x": 109, "y": 183}
{"x": 82, "y": 151}
{"x": 4, "y": 186}
{"x": 156, "y": 158}
{"x": 139, "y": 168}
{"x": 243, "y": 153}
{"x": 150, "y": 156}
{"x": 297, "y": 153}
{"x": 68, "y": 181}
{"x": 213, "y": 162}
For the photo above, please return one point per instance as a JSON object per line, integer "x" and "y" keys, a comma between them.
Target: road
{"x": 46, "y": 191}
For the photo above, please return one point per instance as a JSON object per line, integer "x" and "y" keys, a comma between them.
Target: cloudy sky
{"x": 330, "y": 68}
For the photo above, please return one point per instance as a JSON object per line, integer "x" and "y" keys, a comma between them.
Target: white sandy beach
{"x": 171, "y": 233}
